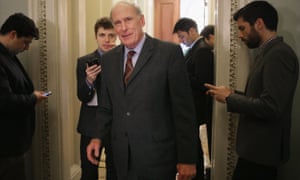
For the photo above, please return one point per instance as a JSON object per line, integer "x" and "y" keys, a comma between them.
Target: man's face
{"x": 248, "y": 34}
{"x": 185, "y": 38}
{"x": 18, "y": 44}
{"x": 106, "y": 39}
{"x": 211, "y": 40}
{"x": 128, "y": 25}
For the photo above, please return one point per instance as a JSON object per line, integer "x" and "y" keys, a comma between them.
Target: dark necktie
{"x": 129, "y": 66}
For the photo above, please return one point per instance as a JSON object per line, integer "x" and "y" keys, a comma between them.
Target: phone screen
{"x": 47, "y": 93}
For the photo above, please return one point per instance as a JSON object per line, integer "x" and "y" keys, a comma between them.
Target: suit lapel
{"x": 191, "y": 50}
{"x": 119, "y": 56}
{"x": 259, "y": 58}
{"x": 143, "y": 58}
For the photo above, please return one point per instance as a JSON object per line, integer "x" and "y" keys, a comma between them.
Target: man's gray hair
{"x": 126, "y": 3}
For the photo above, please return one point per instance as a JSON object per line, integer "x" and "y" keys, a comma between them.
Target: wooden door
{"x": 166, "y": 13}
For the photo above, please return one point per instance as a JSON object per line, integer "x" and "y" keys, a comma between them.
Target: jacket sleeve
{"x": 10, "y": 100}
{"x": 203, "y": 69}
{"x": 85, "y": 92}
{"x": 275, "y": 84}
{"x": 183, "y": 109}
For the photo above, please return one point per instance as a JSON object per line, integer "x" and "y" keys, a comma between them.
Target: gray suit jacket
{"x": 152, "y": 119}
{"x": 265, "y": 109}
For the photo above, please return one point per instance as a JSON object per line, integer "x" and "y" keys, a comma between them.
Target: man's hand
{"x": 92, "y": 72}
{"x": 40, "y": 96}
{"x": 92, "y": 151}
{"x": 218, "y": 92}
{"x": 186, "y": 171}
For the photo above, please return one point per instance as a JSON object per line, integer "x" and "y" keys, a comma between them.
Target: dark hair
{"x": 184, "y": 24}
{"x": 104, "y": 22}
{"x": 258, "y": 9}
{"x": 208, "y": 30}
{"x": 20, "y": 23}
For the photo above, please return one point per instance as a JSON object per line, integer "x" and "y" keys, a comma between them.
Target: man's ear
{"x": 12, "y": 34}
{"x": 259, "y": 23}
{"x": 192, "y": 31}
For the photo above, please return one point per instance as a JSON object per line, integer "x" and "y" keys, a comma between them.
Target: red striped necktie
{"x": 129, "y": 66}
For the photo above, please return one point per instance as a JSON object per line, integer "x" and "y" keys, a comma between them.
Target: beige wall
{"x": 95, "y": 9}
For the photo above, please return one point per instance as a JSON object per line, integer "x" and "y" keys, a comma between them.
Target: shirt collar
{"x": 100, "y": 52}
{"x": 138, "y": 48}
{"x": 194, "y": 42}
{"x": 267, "y": 42}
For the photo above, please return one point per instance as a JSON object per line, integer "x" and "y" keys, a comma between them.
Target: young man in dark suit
{"x": 88, "y": 91}
{"x": 150, "y": 114}
{"x": 199, "y": 61}
{"x": 265, "y": 106}
{"x": 17, "y": 96}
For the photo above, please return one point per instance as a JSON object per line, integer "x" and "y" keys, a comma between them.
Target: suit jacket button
{"x": 128, "y": 114}
{"x": 126, "y": 134}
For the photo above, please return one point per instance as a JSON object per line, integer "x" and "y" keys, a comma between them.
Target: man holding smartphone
{"x": 18, "y": 97}
{"x": 88, "y": 89}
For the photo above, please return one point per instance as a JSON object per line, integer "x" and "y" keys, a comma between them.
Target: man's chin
{"x": 252, "y": 46}
{"x": 128, "y": 44}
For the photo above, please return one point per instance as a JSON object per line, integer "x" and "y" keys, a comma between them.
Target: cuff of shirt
{"x": 91, "y": 86}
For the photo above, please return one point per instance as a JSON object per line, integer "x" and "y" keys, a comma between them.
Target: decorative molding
{"x": 42, "y": 25}
{"x": 232, "y": 118}
{"x": 230, "y": 71}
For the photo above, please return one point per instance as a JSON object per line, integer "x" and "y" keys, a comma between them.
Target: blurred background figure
{"x": 199, "y": 60}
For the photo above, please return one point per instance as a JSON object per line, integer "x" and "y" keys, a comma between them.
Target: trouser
{"x": 12, "y": 168}
{"x": 89, "y": 170}
{"x": 247, "y": 170}
{"x": 136, "y": 170}
{"x": 200, "y": 163}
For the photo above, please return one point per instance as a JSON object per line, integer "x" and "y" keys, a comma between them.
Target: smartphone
{"x": 93, "y": 62}
{"x": 47, "y": 93}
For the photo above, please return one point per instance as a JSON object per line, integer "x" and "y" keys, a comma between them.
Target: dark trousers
{"x": 247, "y": 170}
{"x": 137, "y": 171}
{"x": 89, "y": 170}
{"x": 12, "y": 168}
{"x": 200, "y": 163}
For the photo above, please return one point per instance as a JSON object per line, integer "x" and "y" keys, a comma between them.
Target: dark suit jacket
{"x": 87, "y": 116}
{"x": 17, "y": 104}
{"x": 153, "y": 118}
{"x": 200, "y": 67}
{"x": 265, "y": 121}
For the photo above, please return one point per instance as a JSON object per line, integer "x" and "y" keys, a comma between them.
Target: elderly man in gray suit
{"x": 265, "y": 106}
{"x": 146, "y": 102}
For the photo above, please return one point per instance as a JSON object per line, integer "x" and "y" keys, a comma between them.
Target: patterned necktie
{"x": 129, "y": 66}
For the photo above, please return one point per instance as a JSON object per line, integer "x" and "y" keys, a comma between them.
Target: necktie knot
{"x": 130, "y": 54}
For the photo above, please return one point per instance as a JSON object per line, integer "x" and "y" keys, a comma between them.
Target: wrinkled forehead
{"x": 122, "y": 9}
